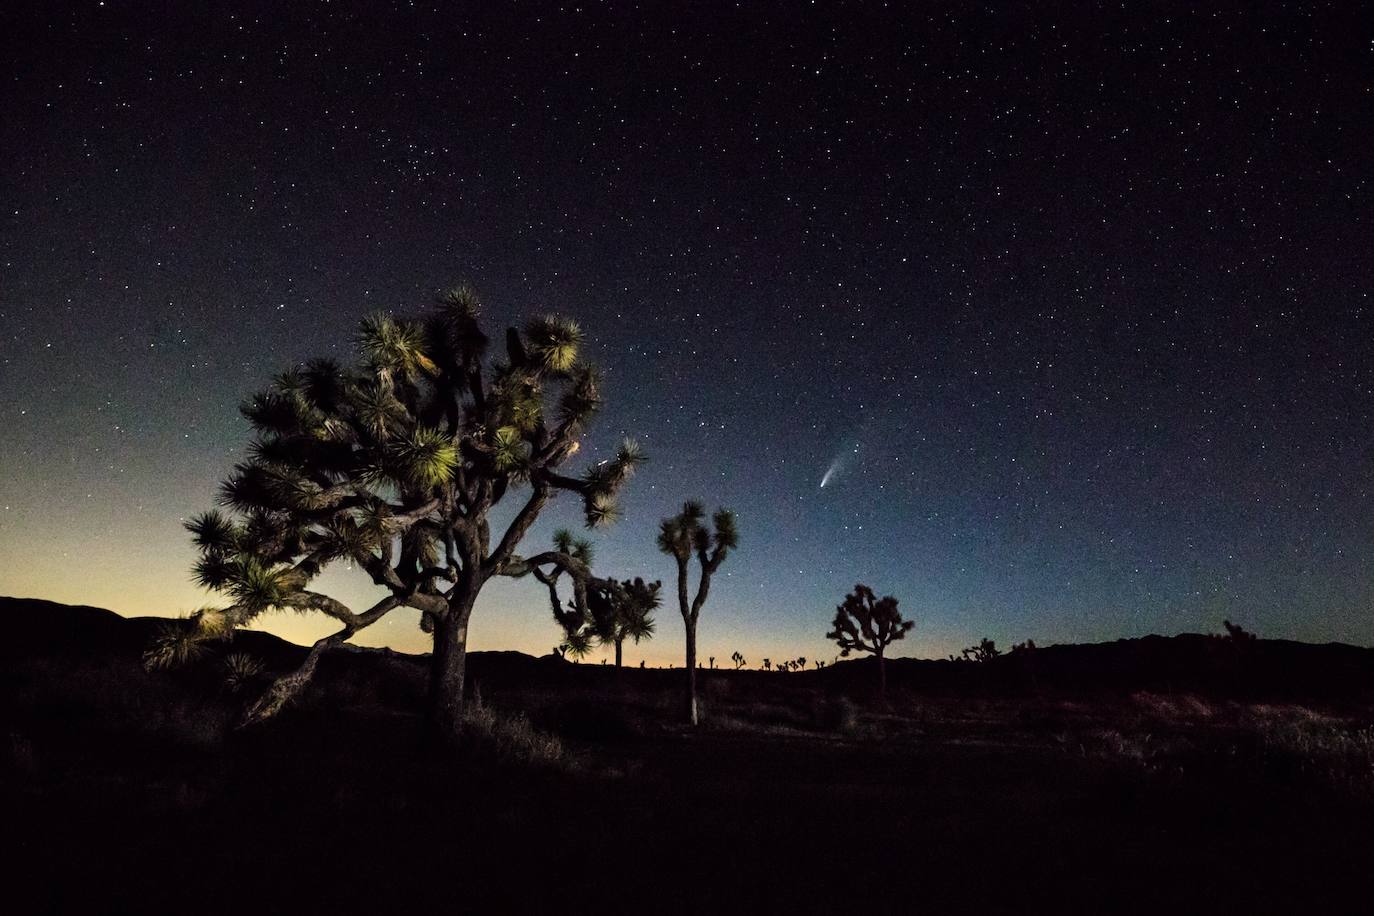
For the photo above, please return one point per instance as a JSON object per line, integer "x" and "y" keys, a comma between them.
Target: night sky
{"x": 1069, "y": 309}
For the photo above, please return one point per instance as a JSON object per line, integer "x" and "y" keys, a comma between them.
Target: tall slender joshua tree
{"x": 866, "y": 624}
{"x": 681, "y": 537}
{"x": 395, "y": 465}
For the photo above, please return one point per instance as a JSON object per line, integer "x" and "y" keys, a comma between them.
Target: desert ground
{"x": 1188, "y": 774}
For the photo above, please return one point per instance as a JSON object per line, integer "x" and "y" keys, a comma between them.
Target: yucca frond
{"x": 248, "y": 487}
{"x": 509, "y": 451}
{"x": 601, "y": 510}
{"x": 553, "y": 342}
{"x": 271, "y": 412}
{"x": 174, "y": 644}
{"x": 637, "y": 627}
{"x": 523, "y": 406}
{"x": 212, "y": 531}
{"x": 579, "y": 643}
{"x": 394, "y": 348}
{"x": 425, "y": 458}
{"x": 461, "y": 301}
{"x": 240, "y": 671}
{"x": 212, "y": 623}
{"x": 582, "y": 398}
{"x": 324, "y": 384}
{"x": 378, "y": 411}
{"x": 582, "y": 550}
{"x": 563, "y": 541}
{"x": 212, "y": 570}
{"x": 254, "y": 585}
{"x": 727, "y": 534}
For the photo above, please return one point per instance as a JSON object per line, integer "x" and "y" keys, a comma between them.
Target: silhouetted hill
{"x": 1210, "y": 665}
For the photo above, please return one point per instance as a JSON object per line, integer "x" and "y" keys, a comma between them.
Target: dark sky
{"x": 1069, "y": 305}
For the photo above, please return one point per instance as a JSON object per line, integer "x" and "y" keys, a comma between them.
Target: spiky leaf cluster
{"x": 684, "y": 534}
{"x": 866, "y": 623}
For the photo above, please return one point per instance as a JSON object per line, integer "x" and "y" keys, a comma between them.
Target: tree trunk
{"x": 448, "y": 667}
{"x": 882, "y": 676}
{"x": 691, "y": 673}
{"x": 618, "y": 644}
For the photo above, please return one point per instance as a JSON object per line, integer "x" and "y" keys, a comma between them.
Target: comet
{"x": 829, "y": 472}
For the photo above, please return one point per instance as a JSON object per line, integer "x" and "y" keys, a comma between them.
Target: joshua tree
{"x": 801, "y": 663}
{"x": 819, "y": 664}
{"x": 633, "y": 604}
{"x": 985, "y": 651}
{"x": 738, "y": 660}
{"x": 612, "y": 611}
{"x": 866, "y": 624}
{"x": 681, "y": 537}
{"x": 395, "y": 465}
{"x": 1236, "y": 633}
{"x": 767, "y": 665}
{"x": 713, "y": 663}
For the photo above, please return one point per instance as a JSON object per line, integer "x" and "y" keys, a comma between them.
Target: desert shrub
{"x": 837, "y": 714}
{"x": 507, "y": 737}
{"x": 1329, "y": 753}
{"x": 241, "y": 671}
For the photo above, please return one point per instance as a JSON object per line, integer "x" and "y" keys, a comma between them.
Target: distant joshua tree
{"x": 985, "y": 651}
{"x": 682, "y": 537}
{"x": 801, "y": 662}
{"x": 1236, "y": 633}
{"x": 1022, "y": 648}
{"x": 819, "y": 664}
{"x": 767, "y": 665}
{"x": 866, "y": 624}
{"x": 396, "y": 465}
{"x": 713, "y": 663}
{"x": 739, "y": 660}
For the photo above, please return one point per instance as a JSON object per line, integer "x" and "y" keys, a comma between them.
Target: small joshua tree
{"x": 767, "y": 665}
{"x": 682, "y": 537}
{"x": 713, "y": 663}
{"x": 1236, "y": 633}
{"x": 738, "y": 660}
{"x": 985, "y": 651}
{"x": 864, "y": 623}
{"x": 612, "y": 612}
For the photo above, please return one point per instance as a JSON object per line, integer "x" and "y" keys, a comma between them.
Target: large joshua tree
{"x": 394, "y": 466}
{"x": 682, "y": 537}
{"x": 866, "y": 623}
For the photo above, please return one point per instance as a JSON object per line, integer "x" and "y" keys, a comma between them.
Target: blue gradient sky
{"x": 1096, "y": 361}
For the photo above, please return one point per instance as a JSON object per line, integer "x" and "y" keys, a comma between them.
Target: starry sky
{"x": 1068, "y": 305}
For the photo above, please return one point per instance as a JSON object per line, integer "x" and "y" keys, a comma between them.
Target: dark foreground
{"x": 992, "y": 789}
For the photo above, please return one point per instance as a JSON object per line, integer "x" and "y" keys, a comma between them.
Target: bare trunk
{"x": 691, "y": 672}
{"x": 448, "y": 667}
{"x": 882, "y": 675}
{"x": 618, "y": 644}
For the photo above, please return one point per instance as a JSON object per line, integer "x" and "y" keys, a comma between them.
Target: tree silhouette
{"x": 985, "y": 651}
{"x": 738, "y": 660}
{"x": 613, "y": 611}
{"x": 864, "y": 623}
{"x": 767, "y": 665}
{"x": 681, "y": 537}
{"x": 395, "y": 465}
